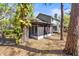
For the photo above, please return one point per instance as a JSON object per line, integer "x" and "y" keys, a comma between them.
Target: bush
{"x": 18, "y": 33}
{"x": 13, "y": 33}
{"x": 7, "y": 31}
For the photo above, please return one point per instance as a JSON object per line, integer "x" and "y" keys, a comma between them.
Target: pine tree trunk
{"x": 71, "y": 47}
{"x": 61, "y": 36}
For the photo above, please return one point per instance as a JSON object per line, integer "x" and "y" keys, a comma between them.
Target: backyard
{"x": 27, "y": 31}
{"x": 52, "y": 46}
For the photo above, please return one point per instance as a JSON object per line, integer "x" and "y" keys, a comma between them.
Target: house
{"x": 56, "y": 24}
{"x": 43, "y": 26}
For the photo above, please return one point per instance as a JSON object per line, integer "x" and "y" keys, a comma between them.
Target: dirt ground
{"x": 51, "y": 46}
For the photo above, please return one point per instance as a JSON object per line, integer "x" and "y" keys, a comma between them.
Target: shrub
{"x": 15, "y": 33}
{"x": 18, "y": 33}
{"x": 7, "y": 31}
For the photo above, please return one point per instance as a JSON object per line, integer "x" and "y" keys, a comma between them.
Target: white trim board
{"x": 41, "y": 37}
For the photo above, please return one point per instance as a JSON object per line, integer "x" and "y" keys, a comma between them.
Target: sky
{"x": 50, "y": 9}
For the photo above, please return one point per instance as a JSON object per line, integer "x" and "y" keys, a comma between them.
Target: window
{"x": 55, "y": 28}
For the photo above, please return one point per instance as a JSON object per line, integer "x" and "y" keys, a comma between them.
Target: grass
{"x": 44, "y": 47}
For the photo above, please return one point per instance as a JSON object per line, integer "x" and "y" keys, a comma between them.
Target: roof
{"x": 46, "y": 18}
{"x": 38, "y": 20}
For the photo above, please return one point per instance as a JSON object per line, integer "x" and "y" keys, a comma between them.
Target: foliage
{"x": 66, "y": 20}
{"x": 7, "y": 31}
{"x": 4, "y": 24}
{"x": 18, "y": 32}
{"x": 6, "y": 15}
{"x": 25, "y": 23}
{"x": 2, "y": 10}
{"x": 5, "y": 11}
{"x": 23, "y": 12}
{"x": 14, "y": 17}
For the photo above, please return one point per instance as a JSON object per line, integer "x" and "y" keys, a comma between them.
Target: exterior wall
{"x": 56, "y": 23}
{"x": 47, "y": 35}
{"x": 51, "y": 30}
{"x": 58, "y": 29}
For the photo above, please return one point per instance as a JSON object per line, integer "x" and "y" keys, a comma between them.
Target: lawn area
{"x": 46, "y": 47}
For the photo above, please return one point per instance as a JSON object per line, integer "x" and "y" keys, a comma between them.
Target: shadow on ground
{"x": 30, "y": 49}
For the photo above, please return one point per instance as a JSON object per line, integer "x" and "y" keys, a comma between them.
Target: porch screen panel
{"x": 46, "y": 30}
{"x": 34, "y": 30}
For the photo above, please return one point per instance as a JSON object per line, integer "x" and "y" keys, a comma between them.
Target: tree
{"x": 66, "y": 20}
{"x": 2, "y": 11}
{"x": 23, "y": 13}
{"x": 5, "y": 12}
{"x": 61, "y": 35}
{"x": 71, "y": 46}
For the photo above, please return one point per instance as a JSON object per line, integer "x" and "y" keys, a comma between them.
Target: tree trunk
{"x": 71, "y": 47}
{"x": 24, "y": 28}
{"x": 61, "y": 36}
{"x": 25, "y": 34}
